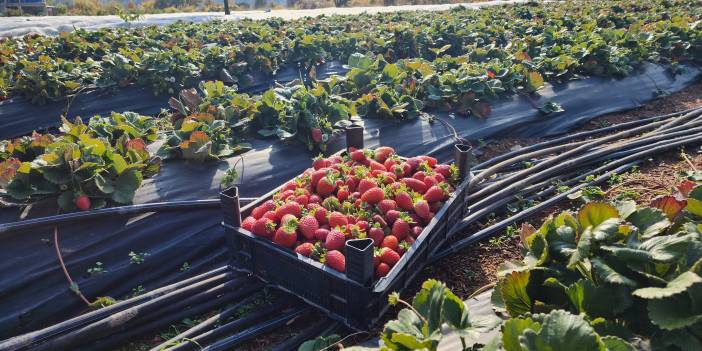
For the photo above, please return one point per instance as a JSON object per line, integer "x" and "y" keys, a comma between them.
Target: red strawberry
{"x": 338, "y": 219}
{"x": 392, "y": 216}
{"x": 414, "y": 163}
{"x": 321, "y": 234}
{"x": 350, "y": 184}
{"x": 343, "y": 193}
{"x": 413, "y": 218}
{"x": 321, "y": 215}
{"x": 404, "y": 201}
{"x": 248, "y": 222}
{"x": 365, "y": 184}
{"x": 320, "y": 162}
{"x": 335, "y": 240}
{"x": 331, "y": 203}
{"x": 314, "y": 199}
{"x": 305, "y": 249}
{"x": 389, "y": 256}
{"x": 358, "y": 155}
{"x": 335, "y": 260}
{"x": 390, "y": 163}
{"x": 401, "y": 170}
{"x": 416, "y": 231}
{"x": 400, "y": 228}
{"x": 308, "y": 225}
{"x": 382, "y": 153}
{"x": 285, "y": 194}
{"x": 382, "y": 270}
{"x": 375, "y": 166}
{"x": 387, "y": 205}
{"x": 377, "y": 235}
{"x": 316, "y": 134}
{"x": 302, "y": 199}
{"x": 421, "y": 208}
{"x": 291, "y": 207}
{"x": 390, "y": 241}
{"x": 378, "y": 219}
{"x": 287, "y": 218}
{"x": 270, "y": 215}
{"x": 439, "y": 177}
{"x": 286, "y": 235}
{"x": 373, "y": 196}
{"x": 263, "y": 227}
{"x": 325, "y": 186}
{"x": 428, "y": 159}
{"x": 444, "y": 170}
{"x": 419, "y": 175}
{"x": 435, "y": 206}
{"x": 259, "y": 211}
{"x": 435, "y": 193}
{"x": 430, "y": 181}
{"x": 403, "y": 247}
{"x": 415, "y": 184}
{"x": 336, "y": 159}
{"x": 363, "y": 225}
{"x": 317, "y": 175}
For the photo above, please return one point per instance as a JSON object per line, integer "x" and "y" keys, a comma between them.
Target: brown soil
{"x": 658, "y": 177}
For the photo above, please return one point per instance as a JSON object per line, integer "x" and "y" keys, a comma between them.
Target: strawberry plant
{"x": 131, "y": 124}
{"x": 201, "y": 137}
{"x": 79, "y": 168}
{"x": 625, "y": 270}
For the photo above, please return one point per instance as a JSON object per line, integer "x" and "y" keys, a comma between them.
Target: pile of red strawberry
{"x": 363, "y": 193}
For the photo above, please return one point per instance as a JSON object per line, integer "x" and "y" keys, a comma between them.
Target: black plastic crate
{"x": 343, "y": 296}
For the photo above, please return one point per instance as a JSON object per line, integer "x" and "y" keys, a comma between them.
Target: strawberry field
{"x": 110, "y": 202}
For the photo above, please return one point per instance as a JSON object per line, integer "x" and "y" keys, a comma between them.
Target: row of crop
{"x": 561, "y": 40}
{"x": 609, "y": 277}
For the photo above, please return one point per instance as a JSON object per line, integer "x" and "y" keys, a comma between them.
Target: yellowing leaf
{"x": 594, "y": 213}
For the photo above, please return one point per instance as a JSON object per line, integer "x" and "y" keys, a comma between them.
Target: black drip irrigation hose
{"x": 570, "y": 159}
{"x": 489, "y": 231}
{"x": 574, "y": 136}
{"x": 205, "y": 325}
{"x": 306, "y": 334}
{"x": 230, "y": 342}
{"x": 38, "y": 336}
{"x": 74, "y": 217}
{"x": 568, "y": 150}
{"x": 122, "y": 318}
{"x": 191, "y": 309}
{"x": 234, "y": 326}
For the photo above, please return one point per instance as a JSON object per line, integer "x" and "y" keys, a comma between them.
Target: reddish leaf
{"x": 669, "y": 205}
{"x": 136, "y": 145}
{"x": 8, "y": 169}
{"x": 41, "y": 140}
{"x": 686, "y": 187}
{"x": 482, "y": 109}
{"x": 200, "y": 116}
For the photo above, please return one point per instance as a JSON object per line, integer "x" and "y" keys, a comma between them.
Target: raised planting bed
{"x": 348, "y": 270}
